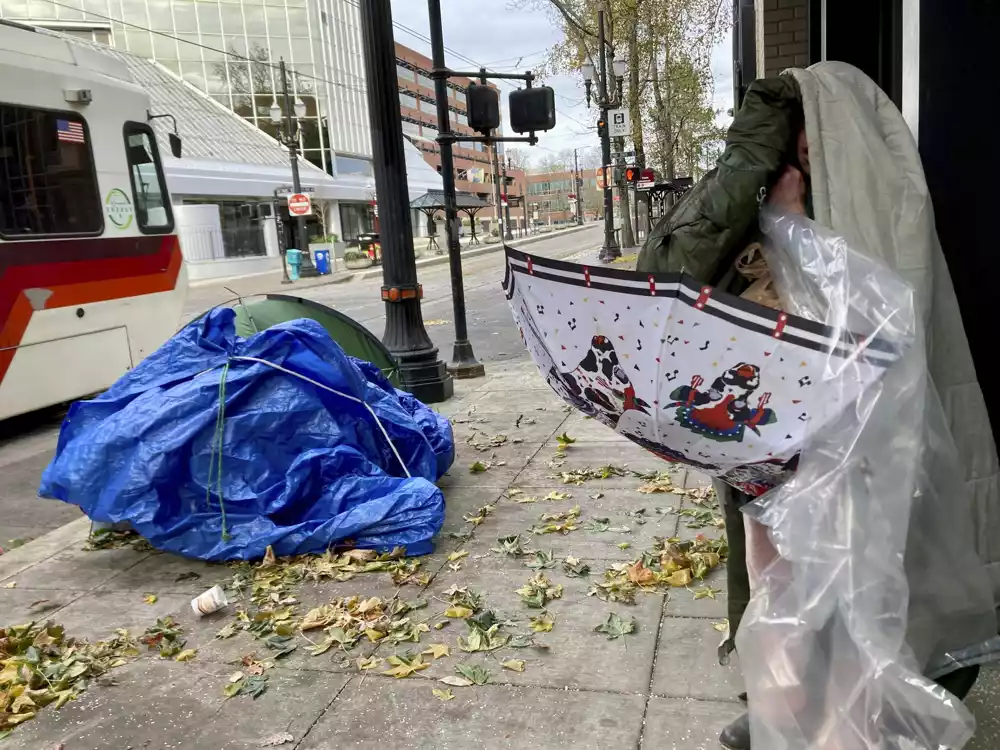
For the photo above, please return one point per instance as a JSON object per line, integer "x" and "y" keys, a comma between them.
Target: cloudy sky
{"x": 500, "y": 36}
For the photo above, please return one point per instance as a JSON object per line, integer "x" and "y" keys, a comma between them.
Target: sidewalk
{"x": 203, "y": 295}
{"x": 658, "y": 687}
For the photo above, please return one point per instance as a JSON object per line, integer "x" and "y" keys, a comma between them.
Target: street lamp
{"x": 606, "y": 99}
{"x": 289, "y": 137}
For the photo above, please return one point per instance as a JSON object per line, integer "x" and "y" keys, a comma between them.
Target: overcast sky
{"x": 498, "y": 37}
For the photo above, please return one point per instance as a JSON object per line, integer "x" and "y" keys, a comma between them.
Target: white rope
{"x": 342, "y": 395}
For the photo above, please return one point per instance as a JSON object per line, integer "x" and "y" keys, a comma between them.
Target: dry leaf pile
{"x": 41, "y": 666}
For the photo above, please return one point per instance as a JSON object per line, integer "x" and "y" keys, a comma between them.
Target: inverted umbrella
{"x": 695, "y": 375}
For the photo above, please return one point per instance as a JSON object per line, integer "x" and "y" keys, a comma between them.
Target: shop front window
{"x": 355, "y": 219}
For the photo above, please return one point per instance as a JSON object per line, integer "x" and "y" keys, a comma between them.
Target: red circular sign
{"x": 299, "y": 204}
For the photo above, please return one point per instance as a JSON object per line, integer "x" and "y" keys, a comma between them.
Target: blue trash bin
{"x": 294, "y": 258}
{"x": 321, "y": 258}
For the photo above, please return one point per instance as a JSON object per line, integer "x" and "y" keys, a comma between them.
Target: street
{"x": 27, "y": 443}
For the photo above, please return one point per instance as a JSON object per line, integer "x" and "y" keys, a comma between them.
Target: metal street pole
{"x": 422, "y": 373}
{"x": 307, "y": 269}
{"x": 497, "y": 191}
{"x": 507, "y": 235}
{"x": 610, "y": 250}
{"x": 578, "y": 188}
{"x": 463, "y": 363}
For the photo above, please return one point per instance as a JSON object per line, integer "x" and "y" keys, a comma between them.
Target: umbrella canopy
{"x": 433, "y": 200}
{"x": 695, "y": 375}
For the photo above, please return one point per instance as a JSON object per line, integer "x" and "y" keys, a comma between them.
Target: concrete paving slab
{"x": 20, "y": 606}
{"x": 242, "y": 723}
{"x": 512, "y": 517}
{"x": 983, "y": 702}
{"x": 404, "y": 714}
{"x": 72, "y": 535}
{"x": 77, "y": 570}
{"x": 95, "y": 615}
{"x": 686, "y": 724}
{"x": 683, "y": 604}
{"x": 577, "y": 656}
{"x": 538, "y": 473}
{"x": 158, "y": 573}
{"x": 588, "y": 430}
{"x": 460, "y": 502}
{"x": 687, "y": 662}
{"x": 153, "y": 703}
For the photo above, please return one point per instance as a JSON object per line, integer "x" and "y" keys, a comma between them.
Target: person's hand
{"x": 789, "y": 194}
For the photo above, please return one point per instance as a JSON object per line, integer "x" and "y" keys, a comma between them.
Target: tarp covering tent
{"x": 216, "y": 446}
{"x": 255, "y": 314}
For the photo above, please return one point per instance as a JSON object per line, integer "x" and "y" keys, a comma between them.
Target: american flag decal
{"x": 69, "y": 131}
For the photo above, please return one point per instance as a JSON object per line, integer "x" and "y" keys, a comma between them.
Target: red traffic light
{"x": 631, "y": 174}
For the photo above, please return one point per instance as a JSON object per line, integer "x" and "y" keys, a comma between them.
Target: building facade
{"x": 552, "y": 196}
{"x": 230, "y": 48}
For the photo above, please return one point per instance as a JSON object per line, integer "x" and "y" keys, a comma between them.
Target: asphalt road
{"x": 27, "y": 443}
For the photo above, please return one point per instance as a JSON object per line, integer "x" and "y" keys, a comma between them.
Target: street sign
{"x": 620, "y": 122}
{"x": 644, "y": 184}
{"x": 285, "y": 190}
{"x": 623, "y": 154}
{"x": 299, "y": 204}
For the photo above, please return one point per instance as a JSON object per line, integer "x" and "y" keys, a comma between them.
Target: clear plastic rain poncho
{"x": 864, "y": 574}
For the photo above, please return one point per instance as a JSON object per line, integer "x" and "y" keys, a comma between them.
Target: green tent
{"x": 254, "y": 314}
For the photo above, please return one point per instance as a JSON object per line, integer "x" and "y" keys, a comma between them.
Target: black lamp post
{"x": 422, "y": 372}
{"x": 606, "y": 100}
{"x": 508, "y": 235}
{"x": 290, "y": 138}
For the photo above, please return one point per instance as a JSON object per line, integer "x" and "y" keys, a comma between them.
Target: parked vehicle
{"x": 91, "y": 274}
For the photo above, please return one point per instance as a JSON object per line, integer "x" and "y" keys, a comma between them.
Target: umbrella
{"x": 696, "y": 376}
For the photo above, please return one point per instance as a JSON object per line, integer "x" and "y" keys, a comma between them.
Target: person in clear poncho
{"x": 864, "y": 580}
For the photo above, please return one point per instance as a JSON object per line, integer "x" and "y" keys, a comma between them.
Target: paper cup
{"x": 210, "y": 601}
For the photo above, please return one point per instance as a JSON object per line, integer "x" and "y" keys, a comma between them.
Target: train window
{"x": 48, "y": 185}
{"x": 149, "y": 188}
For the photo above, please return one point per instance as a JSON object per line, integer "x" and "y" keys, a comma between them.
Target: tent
{"x": 255, "y": 314}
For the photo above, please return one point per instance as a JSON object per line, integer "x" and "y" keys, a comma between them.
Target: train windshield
{"x": 48, "y": 185}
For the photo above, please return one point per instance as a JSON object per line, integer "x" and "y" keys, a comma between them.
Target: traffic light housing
{"x": 482, "y": 107}
{"x": 532, "y": 109}
{"x": 602, "y": 127}
{"x": 632, "y": 174}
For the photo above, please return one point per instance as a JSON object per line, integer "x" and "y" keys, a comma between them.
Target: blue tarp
{"x": 301, "y": 468}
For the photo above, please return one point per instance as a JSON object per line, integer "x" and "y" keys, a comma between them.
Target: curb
{"x": 39, "y": 550}
{"x": 485, "y": 250}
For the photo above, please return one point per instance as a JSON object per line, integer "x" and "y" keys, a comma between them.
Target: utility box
{"x": 483, "y": 108}
{"x": 532, "y": 109}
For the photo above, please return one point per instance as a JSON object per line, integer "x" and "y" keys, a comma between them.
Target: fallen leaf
{"x": 478, "y": 467}
{"x": 596, "y": 496}
{"x": 458, "y": 612}
{"x": 680, "y": 577}
{"x": 615, "y": 627}
{"x": 542, "y": 559}
{"x": 574, "y": 568}
{"x": 403, "y": 666}
{"x": 274, "y": 740}
{"x": 11, "y": 585}
{"x": 705, "y": 592}
{"x": 456, "y": 681}
{"x": 543, "y": 623}
{"x": 457, "y": 555}
{"x": 527, "y": 499}
{"x": 186, "y": 655}
{"x": 443, "y": 695}
{"x": 556, "y": 495}
{"x": 639, "y": 574}
{"x": 269, "y": 559}
{"x": 564, "y": 441}
{"x": 624, "y": 545}
{"x": 514, "y": 665}
{"x": 474, "y": 673}
{"x": 372, "y": 662}
{"x": 227, "y": 631}
{"x": 437, "y": 650}
{"x": 722, "y": 627}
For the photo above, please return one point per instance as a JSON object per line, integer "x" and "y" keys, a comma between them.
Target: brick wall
{"x": 785, "y": 31}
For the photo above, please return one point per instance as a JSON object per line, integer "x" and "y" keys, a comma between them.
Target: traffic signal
{"x": 602, "y": 127}
{"x": 532, "y": 109}
{"x": 631, "y": 174}
{"x": 482, "y": 107}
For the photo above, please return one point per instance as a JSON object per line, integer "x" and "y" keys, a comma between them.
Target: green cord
{"x": 217, "y": 444}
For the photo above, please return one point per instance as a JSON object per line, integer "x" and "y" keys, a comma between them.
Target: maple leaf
{"x": 474, "y": 673}
{"x": 543, "y": 623}
{"x": 616, "y": 627}
{"x": 456, "y": 681}
{"x": 539, "y": 590}
{"x": 405, "y": 666}
{"x": 574, "y": 568}
{"x": 541, "y": 560}
{"x": 443, "y": 695}
{"x": 514, "y": 665}
{"x": 458, "y": 612}
{"x": 564, "y": 441}
{"x": 639, "y": 574}
{"x": 150, "y": 598}
{"x": 437, "y": 650}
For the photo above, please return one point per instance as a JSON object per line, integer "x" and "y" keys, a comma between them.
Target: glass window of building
{"x": 355, "y": 219}
{"x": 460, "y": 95}
{"x": 353, "y": 165}
{"x": 411, "y": 128}
{"x": 49, "y": 185}
{"x": 149, "y": 188}
{"x": 429, "y": 130}
{"x": 460, "y": 118}
{"x": 407, "y": 101}
{"x": 404, "y": 74}
{"x": 425, "y": 81}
